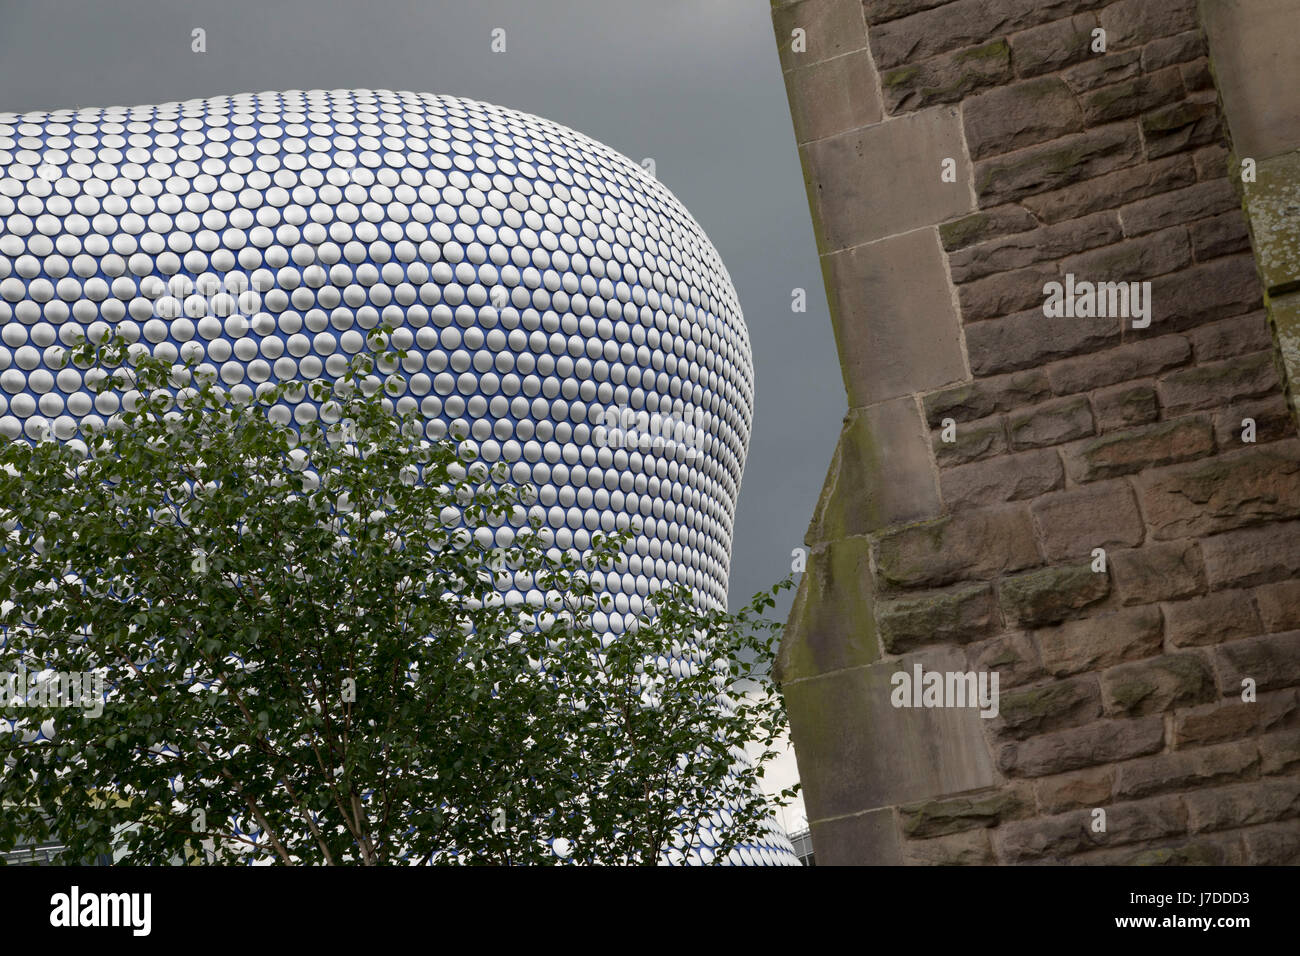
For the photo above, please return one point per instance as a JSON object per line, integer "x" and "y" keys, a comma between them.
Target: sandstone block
{"x": 1102, "y": 515}
{"x": 1158, "y": 572}
{"x": 980, "y": 543}
{"x": 1051, "y": 594}
{"x": 1006, "y": 478}
{"x": 1271, "y": 662}
{"x": 1122, "y": 364}
{"x": 1055, "y": 705}
{"x": 1020, "y": 114}
{"x": 1100, "y": 641}
{"x": 1232, "y": 490}
{"x": 1259, "y": 555}
{"x": 1231, "y": 719}
{"x": 1104, "y": 741}
{"x": 1156, "y": 685}
{"x": 985, "y": 396}
{"x": 939, "y": 617}
{"x": 1122, "y": 406}
{"x": 1068, "y": 160}
{"x": 1216, "y": 617}
{"x": 1147, "y": 446}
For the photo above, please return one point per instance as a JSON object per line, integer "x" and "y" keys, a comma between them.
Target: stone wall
{"x": 1078, "y": 504}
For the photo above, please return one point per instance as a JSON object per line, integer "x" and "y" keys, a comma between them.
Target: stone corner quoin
{"x": 1063, "y": 267}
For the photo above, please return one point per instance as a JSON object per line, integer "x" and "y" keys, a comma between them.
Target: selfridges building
{"x": 542, "y": 284}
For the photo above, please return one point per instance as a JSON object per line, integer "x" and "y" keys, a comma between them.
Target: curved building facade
{"x": 560, "y": 309}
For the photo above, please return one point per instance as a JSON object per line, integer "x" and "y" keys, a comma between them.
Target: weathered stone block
{"x": 1104, "y": 741}
{"x": 1275, "y": 845}
{"x": 1236, "y": 336}
{"x": 1232, "y": 490}
{"x": 1211, "y": 161}
{"x": 1051, "y": 594}
{"x": 1157, "y": 685}
{"x": 963, "y": 23}
{"x": 881, "y": 473}
{"x": 1004, "y": 293}
{"x": 1006, "y": 478}
{"x": 939, "y": 617}
{"x": 1060, "y": 163}
{"x": 1280, "y": 753}
{"x": 1123, "y": 406}
{"x": 1147, "y": 446}
{"x": 972, "y": 441}
{"x": 1243, "y": 804}
{"x": 1270, "y": 552}
{"x": 934, "y": 818}
{"x": 1103, "y": 69}
{"x": 1179, "y": 48}
{"x": 1209, "y": 291}
{"x": 1122, "y": 364}
{"x": 1279, "y": 605}
{"x": 831, "y": 624}
{"x": 1026, "y": 248}
{"x": 1272, "y": 419}
{"x": 831, "y": 28}
{"x": 1100, "y": 641}
{"x": 1083, "y": 788}
{"x": 1253, "y": 44}
{"x": 1103, "y": 515}
{"x": 860, "y": 839}
{"x": 1136, "y": 259}
{"x": 1233, "y": 719}
{"x": 877, "y": 292}
{"x": 1029, "y": 339}
{"x": 1181, "y": 126}
{"x": 1178, "y": 207}
{"x": 968, "y": 848}
{"x": 1210, "y": 849}
{"x": 984, "y": 225}
{"x": 1134, "y": 22}
{"x": 1197, "y": 76}
{"x": 1053, "y": 46}
{"x": 833, "y": 96}
{"x": 849, "y": 206}
{"x": 1111, "y": 190}
{"x": 947, "y": 78}
{"x": 839, "y": 720}
{"x": 1205, "y": 766}
{"x": 1045, "y": 707}
{"x": 1212, "y": 619}
{"x": 983, "y": 397}
{"x": 1158, "y": 572}
{"x": 971, "y": 544}
{"x": 1271, "y": 662}
{"x": 1021, "y": 114}
{"x": 878, "y": 11}
{"x": 1050, "y": 423}
{"x": 1131, "y": 96}
{"x": 1273, "y": 201}
{"x": 1219, "y": 235}
{"x": 1216, "y": 383}
{"x": 1013, "y": 656}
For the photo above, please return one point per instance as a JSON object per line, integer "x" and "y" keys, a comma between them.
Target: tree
{"x": 307, "y": 653}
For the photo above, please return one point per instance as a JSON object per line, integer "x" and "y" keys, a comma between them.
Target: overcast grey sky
{"x": 695, "y": 84}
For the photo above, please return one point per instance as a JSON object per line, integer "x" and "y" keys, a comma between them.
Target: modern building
{"x": 559, "y": 308}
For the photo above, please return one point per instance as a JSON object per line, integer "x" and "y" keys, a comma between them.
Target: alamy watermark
{"x": 946, "y": 689}
{"x": 53, "y": 689}
{"x": 645, "y": 431}
{"x": 1086, "y": 300}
